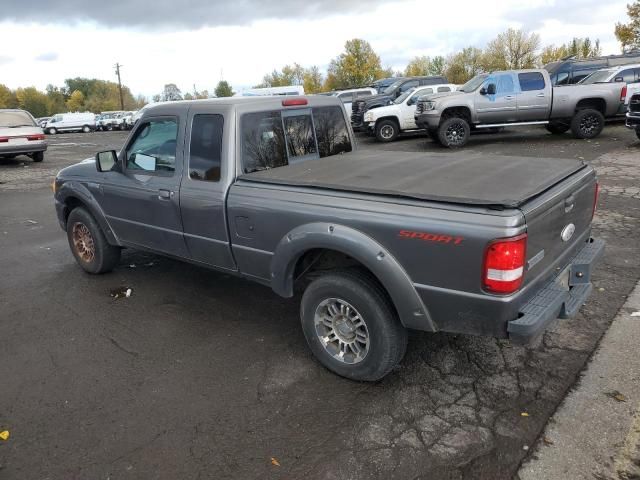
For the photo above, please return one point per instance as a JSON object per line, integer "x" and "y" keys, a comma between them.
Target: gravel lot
{"x": 202, "y": 375}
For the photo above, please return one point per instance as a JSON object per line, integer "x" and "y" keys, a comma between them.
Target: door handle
{"x": 540, "y": 95}
{"x": 509, "y": 97}
{"x": 165, "y": 194}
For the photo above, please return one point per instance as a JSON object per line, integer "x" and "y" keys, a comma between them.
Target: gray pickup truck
{"x": 271, "y": 189}
{"x": 518, "y": 98}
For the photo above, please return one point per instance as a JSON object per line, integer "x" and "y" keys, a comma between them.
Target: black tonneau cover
{"x": 500, "y": 181}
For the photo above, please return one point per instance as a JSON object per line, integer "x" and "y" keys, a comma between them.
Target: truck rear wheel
{"x": 387, "y": 130}
{"x": 587, "y": 123}
{"x": 88, "y": 243}
{"x": 37, "y": 156}
{"x": 557, "y": 128}
{"x": 454, "y": 132}
{"x": 351, "y": 325}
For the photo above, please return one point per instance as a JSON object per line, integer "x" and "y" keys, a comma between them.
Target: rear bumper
{"x": 554, "y": 300}
{"x": 23, "y": 148}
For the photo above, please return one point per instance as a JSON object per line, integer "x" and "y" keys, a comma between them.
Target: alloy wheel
{"x": 342, "y": 331}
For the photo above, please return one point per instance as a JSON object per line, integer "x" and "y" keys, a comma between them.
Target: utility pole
{"x": 119, "y": 85}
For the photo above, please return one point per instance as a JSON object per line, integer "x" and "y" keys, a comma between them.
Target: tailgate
{"x": 552, "y": 217}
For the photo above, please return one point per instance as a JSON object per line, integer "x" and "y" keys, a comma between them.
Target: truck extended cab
{"x": 386, "y": 123}
{"x": 388, "y": 95}
{"x": 518, "y": 98}
{"x": 271, "y": 189}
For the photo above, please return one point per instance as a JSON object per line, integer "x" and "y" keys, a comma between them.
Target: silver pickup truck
{"x": 271, "y": 189}
{"x": 518, "y": 98}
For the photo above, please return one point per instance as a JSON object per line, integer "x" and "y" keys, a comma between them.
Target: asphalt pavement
{"x": 202, "y": 375}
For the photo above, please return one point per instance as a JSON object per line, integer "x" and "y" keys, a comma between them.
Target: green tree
{"x": 76, "y": 101}
{"x": 7, "y": 97}
{"x": 437, "y": 66}
{"x": 312, "y": 80}
{"x": 628, "y": 34}
{"x": 357, "y": 65}
{"x": 56, "y": 100}
{"x": 223, "y": 89}
{"x": 464, "y": 65}
{"x": 512, "y": 49}
{"x": 32, "y": 100}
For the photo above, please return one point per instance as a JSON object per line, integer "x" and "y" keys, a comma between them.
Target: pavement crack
{"x": 120, "y": 347}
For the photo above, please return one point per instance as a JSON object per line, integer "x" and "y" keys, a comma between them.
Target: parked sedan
{"x": 20, "y": 135}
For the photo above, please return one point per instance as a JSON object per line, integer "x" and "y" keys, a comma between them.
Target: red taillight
{"x": 294, "y": 102}
{"x": 596, "y": 195}
{"x": 623, "y": 93}
{"x": 504, "y": 261}
{"x": 39, "y": 136}
{"x": 4, "y": 139}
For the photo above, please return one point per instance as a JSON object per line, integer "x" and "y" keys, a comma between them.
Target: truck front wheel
{"x": 387, "y": 130}
{"x": 88, "y": 244}
{"x": 351, "y": 326}
{"x": 454, "y": 132}
{"x": 587, "y": 123}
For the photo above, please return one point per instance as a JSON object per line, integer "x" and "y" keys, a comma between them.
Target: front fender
{"x": 73, "y": 189}
{"x": 361, "y": 247}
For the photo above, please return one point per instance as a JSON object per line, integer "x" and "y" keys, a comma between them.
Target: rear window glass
{"x": 271, "y": 139}
{"x": 531, "y": 81}
{"x": 444, "y": 89}
{"x": 16, "y": 119}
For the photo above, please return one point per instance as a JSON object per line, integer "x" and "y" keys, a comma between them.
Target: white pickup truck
{"x": 386, "y": 123}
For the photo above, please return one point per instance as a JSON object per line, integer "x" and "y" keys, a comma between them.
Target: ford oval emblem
{"x": 567, "y": 232}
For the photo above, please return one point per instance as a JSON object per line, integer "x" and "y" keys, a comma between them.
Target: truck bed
{"x": 483, "y": 180}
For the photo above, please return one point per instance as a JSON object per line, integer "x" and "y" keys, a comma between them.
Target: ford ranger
{"x": 518, "y": 98}
{"x": 272, "y": 189}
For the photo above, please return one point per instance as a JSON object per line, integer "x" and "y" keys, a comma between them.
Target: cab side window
{"x": 153, "y": 148}
{"x": 205, "y": 150}
{"x": 504, "y": 84}
{"x": 531, "y": 81}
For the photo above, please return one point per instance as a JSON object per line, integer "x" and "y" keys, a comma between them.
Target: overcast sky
{"x": 199, "y": 41}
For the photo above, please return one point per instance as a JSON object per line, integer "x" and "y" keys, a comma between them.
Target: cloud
{"x": 47, "y": 57}
{"x": 188, "y": 14}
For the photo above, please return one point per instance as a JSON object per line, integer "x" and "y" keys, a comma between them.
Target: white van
{"x": 349, "y": 95}
{"x": 259, "y": 92}
{"x": 71, "y": 122}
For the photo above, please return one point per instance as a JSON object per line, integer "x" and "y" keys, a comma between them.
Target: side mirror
{"x": 619, "y": 79}
{"x": 106, "y": 160}
{"x": 483, "y": 91}
{"x": 491, "y": 89}
{"x": 411, "y": 101}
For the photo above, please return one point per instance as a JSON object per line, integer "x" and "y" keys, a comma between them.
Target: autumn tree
{"x": 418, "y": 66}
{"x": 223, "y": 89}
{"x": 32, "y": 100}
{"x": 7, "y": 97}
{"x": 628, "y": 34}
{"x": 312, "y": 80}
{"x": 577, "y": 47}
{"x": 513, "y": 49}
{"x": 464, "y": 65}
{"x": 357, "y": 65}
{"x": 76, "y": 101}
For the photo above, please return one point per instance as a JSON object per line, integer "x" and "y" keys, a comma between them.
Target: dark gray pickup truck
{"x": 269, "y": 189}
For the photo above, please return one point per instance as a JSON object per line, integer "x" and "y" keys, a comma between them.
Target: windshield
{"x": 16, "y": 119}
{"x": 404, "y": 96}
{"x": 473, "y": 84}
{"x": 600, "y": 76}
{"x": 392, "y": 87}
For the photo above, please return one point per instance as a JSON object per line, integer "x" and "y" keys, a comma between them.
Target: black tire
{"x": 387, "y": 338}
{"x": 638, "y": 133}
{"x": 109, "y": 128}
{"x": 454, "y": 132}
{"x": 557, "y": 128}
{"x": 38, "y": 157}
{"x": 387, "y": 130}
{"x": 587, "y": 123}
{"x": 104, "y": 256}
{"x": 52, "y": 131}
{"x": 86, "y": 129}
